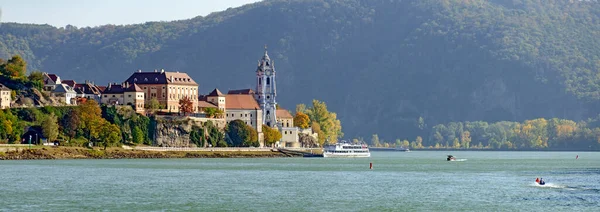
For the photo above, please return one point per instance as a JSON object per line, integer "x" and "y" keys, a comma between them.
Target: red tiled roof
{"x": 285, "y": 114}
{"x": 53, "y": 77}
{"x": 205, "y": 104}
{"x": 241, "y": 101}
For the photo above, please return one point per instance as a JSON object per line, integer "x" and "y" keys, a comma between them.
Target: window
{"x": 145, "y": 79}
{"x": 129, "y": 95}
{"x": 259, "y": 81}
{"x": 268, "y": 80}
{"x": 268, "y": 112}
{"x": 285, "y": 132}
{"x": 246, "y": 115}
{"x": 113, "y": 95}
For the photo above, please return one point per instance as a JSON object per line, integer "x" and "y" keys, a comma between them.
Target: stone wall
{"x": 174, "y": 131}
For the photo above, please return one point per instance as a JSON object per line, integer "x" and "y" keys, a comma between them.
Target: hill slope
{"x": 379, "y": 64}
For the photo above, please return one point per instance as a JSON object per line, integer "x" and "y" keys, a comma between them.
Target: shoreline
{"x": 58, "y": 153}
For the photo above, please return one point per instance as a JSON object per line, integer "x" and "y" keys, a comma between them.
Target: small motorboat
{"x": 540, "y": 181}
{"x": 450, "y": 158}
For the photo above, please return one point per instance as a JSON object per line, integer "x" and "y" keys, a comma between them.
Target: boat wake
{"x": 549, "y": 185}
{"x": 458, "y": 160}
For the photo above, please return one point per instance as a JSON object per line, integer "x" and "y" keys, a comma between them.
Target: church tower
{"x": 266, "y": 90}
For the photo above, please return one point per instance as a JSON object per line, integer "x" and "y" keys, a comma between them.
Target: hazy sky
{"x": 83, "y": 13}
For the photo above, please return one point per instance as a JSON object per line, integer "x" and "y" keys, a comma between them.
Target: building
{"x": 167, "y": 87}
{"x": 121, "y": 94}
{"x": 289, "y": 133}
{"x": 5, "y": 98}
{"x": 266, "y": 89}
{"x": 65, "y": 94}
{"x": 244, "y": 107}
{"x": 88, "y": 90}
{"x": 50, "y": 81}
{"x": 69, "y": 82}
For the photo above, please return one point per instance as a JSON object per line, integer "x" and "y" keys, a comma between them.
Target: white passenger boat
{"x": 345, "y": 149}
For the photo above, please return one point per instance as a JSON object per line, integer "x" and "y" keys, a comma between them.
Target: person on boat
{"x": 542, "y": 181}
{"x": 537, "y": 180}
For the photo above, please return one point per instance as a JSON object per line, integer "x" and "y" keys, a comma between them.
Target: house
{"x": 88, "y": 90}
{"x": 214, "y": 99}
{"x": 69, "y": 82}
{"x": 50, "y": 81}
{"x": 65, "y": 93}
{"x": 124, "y": 94}
{"x": 5, "y": 98}
{"x": 167, "y": 87}
{"x": 289, "y": 133}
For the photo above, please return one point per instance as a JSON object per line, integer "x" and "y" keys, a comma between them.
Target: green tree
{"x": 455, "y": 143}
{"x": 301, "y": 120}
{"x": 270, "y": 135}
{"x": 405, "y": 143}
{"x": 153, "y": 105}
{"x": 137, "y": 135}
{"x": 70, "y": 123}
{"x": 109, "y": 134}
{"x": 419, "y": 142}
{"x": 465, "y": 139}
{"x": 240, "y": 134}
{"x": 50, "y": 127}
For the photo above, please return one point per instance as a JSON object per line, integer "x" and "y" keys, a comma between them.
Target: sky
{"x": 83, "y": 13}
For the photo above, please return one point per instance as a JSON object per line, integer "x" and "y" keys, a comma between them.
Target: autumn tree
{"x": 419, "y": 142}
{"x": 186, "y": 105}
{"x": 301, "y": 120}
{"x": 271, "y": 135}
{"x": 16, "y": 67}
{"x": 465, "y": 139}
{"x": 316, "y": 128}
{"x": 50, "y": 127}
{"x": 328, "y": 122}
{"x": 91, "y": 119}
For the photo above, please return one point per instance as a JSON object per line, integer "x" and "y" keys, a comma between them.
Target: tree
{"x": 455, "y": 143}
{"x": 137, "y": 135}
{"x": 212, "y": 112}
{"x": 316, "y": 128}
{"x": 419, "y": 142}
{"x": 328, "y": 122}
{"x": 307, "y": 140}
{"x": 301, "y": 108}
{"x": 375, "y": 140}
{"x": 36, "y": 79}
{"x": 70, "y": 123}
{"x": 90, "y": 118}
{"x": 16, "y": 67}
{"x": 109, "y": 134}
{"x": 271, "y": 135}
{"x": 301, "y": 120}
{"x": 405, "y": 143}
{"x": 240, "y": 134}
{"x": 465, "y": 139}
{"x": 186, "y": 105}
{"x": 50, "y": 127}
{"x": 153, "y": 105}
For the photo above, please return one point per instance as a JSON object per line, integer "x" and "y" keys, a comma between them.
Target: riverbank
{"x": 120, "y": 153}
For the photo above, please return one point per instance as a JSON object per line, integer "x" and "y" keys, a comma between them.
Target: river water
{"x": 399, "y": 181}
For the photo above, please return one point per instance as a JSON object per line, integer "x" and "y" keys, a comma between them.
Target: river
{"x": 399, "y": 181}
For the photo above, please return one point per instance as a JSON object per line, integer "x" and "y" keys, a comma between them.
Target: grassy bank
{"x": 119, "y": 153}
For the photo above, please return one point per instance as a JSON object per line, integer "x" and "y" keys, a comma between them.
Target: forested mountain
{"x": 379, "y": 64}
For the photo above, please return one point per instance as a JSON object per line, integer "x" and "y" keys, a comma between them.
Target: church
{"x": 256, "y": 107}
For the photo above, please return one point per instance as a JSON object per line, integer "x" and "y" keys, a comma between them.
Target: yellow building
{"x": 167, "y": 87}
